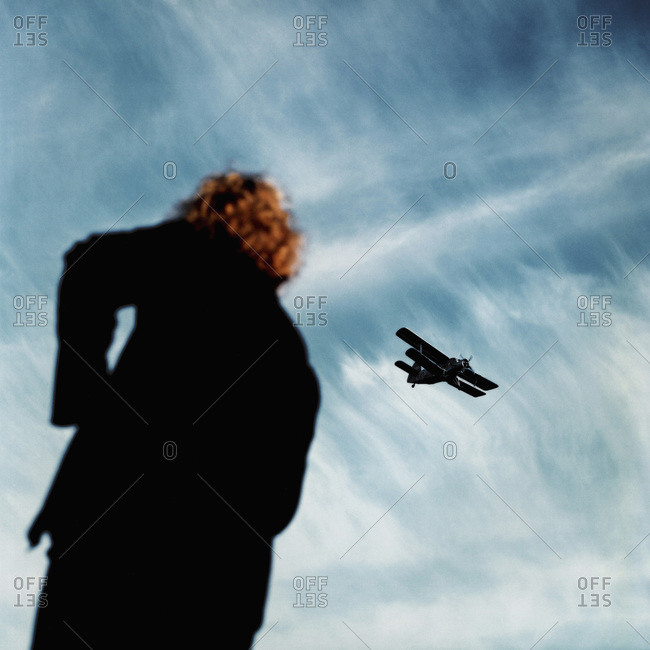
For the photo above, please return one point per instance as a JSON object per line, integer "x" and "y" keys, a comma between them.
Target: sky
{"x": 475, "y": 171}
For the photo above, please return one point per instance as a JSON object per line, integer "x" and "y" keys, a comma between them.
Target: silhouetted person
{"x": 189, "y": 457}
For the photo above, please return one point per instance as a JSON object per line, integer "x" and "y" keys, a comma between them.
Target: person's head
{"x": 249, "y": 208}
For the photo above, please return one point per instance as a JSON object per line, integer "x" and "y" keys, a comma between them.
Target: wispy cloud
{"x": 566, "y": 166}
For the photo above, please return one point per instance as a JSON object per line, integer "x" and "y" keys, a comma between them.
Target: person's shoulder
{"x": 287, "y": 332}
{"x": 116, "y": 241}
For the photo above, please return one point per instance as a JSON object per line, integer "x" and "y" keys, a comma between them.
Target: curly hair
{"x": 249, "y": 208}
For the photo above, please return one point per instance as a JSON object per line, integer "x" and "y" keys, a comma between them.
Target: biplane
{"x": 432, "y": 366}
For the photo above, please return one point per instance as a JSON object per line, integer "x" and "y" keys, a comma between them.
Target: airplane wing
{"x": 404, "y": 366}
{"x": 426, "y": 363}
{"x": 475, "y": 379}
{"x": 470, "y": 390}
{"x": 420, "y": 344}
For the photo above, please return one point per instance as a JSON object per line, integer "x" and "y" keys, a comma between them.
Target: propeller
{"x": 465, "y": 362}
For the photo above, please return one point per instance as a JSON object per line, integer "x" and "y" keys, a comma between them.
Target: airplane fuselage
{"x": 449, "y": 373}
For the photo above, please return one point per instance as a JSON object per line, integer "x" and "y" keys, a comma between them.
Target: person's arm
{"x": 286, "y": 412}
{"x": 290, "y": 471}
{"x": 95, "y": 283}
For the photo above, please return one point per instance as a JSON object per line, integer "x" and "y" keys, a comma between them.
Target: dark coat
{"x": 188, "y": 458}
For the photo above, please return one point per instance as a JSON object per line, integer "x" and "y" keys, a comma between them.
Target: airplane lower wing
{"x": 404, "y": 366}
{"x": 420, "y": 344}
{"x": 426, "y": 363}
{"x": 470, "y": 390}
{"x": 471, "y": 377}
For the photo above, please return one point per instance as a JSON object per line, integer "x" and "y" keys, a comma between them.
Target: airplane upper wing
{"x": 425, "y": 362}
{"x": 470, "y": 390}
{"x": 477, "y": 380}
{"x": 420, "y": 344}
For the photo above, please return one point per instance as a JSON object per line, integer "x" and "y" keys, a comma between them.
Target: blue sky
{"x": 549, "y": 202}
